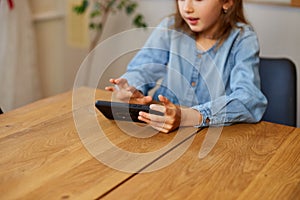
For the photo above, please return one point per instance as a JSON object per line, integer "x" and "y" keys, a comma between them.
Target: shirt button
{"x": 193, "y": 83}
{"x": 199, "y": 55}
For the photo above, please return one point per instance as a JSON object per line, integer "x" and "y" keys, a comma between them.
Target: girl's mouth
{"x": 192, "y": 20}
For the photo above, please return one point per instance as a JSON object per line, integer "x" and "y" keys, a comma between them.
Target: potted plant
{"x": 99, "y": 11}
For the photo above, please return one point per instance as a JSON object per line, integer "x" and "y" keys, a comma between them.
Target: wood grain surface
{"x": 250, "y": 161}
{"x": 43, "y": 155}
{"x": 51, "y": 149}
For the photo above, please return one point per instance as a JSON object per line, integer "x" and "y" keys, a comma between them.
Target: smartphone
{"x": 123, "y": 111}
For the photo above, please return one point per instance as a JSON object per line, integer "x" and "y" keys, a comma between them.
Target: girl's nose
{"x": 188, "y": 6}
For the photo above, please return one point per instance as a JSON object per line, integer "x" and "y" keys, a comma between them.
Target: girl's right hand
{"x": 124, "y": 92}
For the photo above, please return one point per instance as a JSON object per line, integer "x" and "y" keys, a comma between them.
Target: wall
{"x": 278, "y": 28}
{"x": 48, "y": 19}
{"x": 58, "y": 61}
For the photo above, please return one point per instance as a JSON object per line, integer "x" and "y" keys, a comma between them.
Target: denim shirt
{"x": 222, "y": 83}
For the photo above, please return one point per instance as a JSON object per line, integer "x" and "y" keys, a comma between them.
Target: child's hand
{"x": 124, "y": 92}
{"x": 167, "y": 123}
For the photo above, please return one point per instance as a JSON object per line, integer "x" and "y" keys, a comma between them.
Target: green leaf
{"x": 121, "y": 5}
{"x": 111, "y": 6}
{"x": 80, "y": 9}
{"x": 131, "y": 8}
{"x": 92, "y": 25}
{"x": 139, "y": 21}
{"x": 95, "y": 13}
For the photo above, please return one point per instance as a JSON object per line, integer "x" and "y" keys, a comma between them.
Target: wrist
{"x": 190, "y": 117}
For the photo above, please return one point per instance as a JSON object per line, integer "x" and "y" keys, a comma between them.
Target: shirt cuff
{"x": 205, "y": 117}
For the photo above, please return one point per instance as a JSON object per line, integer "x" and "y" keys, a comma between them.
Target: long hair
{"x": 227, "y": 21}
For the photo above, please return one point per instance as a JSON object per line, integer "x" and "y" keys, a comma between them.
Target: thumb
{"x": 163, "y": 99}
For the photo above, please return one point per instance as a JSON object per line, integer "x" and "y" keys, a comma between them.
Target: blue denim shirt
{"x": 222, "y": 83}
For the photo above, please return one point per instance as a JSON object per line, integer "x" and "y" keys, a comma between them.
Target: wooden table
{"x": 44, "y": 154}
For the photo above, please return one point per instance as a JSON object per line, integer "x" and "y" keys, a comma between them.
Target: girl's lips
{"x": 192, "y": 21}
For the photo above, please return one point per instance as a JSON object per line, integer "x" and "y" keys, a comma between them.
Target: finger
{"x": 109, "y": 88}
{"x": 161, "y": 129}
{"x": 164, "y": 108}
{"x": 153, "y": 118}
{"x": 115, "y": 82}
{"x": 112, "y": 81}
{"x": 144, "y": 100}
{"x": 157, "y": 107}
{"x": 163, "y": 99}
{"x": 156, "y": 125}
{"x": 134, "y": 91}
{"x": 147, "y": 99}
{"x": 151, "y": 122}
{"x": 122, "y": 83}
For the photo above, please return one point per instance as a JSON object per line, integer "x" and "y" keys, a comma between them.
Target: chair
{"x": 279, "y": 83}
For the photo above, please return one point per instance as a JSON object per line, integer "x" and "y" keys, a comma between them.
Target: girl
{"x": 207, "y": 57}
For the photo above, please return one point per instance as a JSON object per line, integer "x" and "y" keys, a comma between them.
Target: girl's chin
{"x": 195, "y": 29}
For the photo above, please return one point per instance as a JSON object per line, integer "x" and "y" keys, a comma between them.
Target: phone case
{"x": 123, "y": 111}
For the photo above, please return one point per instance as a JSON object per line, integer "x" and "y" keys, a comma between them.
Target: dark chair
{"x": 279, "y": 83}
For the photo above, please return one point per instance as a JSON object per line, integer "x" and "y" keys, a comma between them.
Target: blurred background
{"x": 43, "y": 42}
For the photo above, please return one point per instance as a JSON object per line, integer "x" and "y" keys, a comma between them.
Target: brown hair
{"x": 228, "y": 20}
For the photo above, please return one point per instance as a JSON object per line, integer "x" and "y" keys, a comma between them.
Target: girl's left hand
{"x": 166, "y": 123}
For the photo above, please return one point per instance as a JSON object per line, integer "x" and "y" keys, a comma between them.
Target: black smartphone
{"x": 123, "y": 111}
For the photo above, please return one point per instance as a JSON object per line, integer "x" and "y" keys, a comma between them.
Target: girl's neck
{"x": 205, "y": 42}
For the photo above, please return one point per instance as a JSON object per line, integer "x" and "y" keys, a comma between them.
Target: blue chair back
{"x": 279, "y": 84}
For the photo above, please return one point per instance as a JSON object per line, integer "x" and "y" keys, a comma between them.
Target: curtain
{"x": 19, "y": 76}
